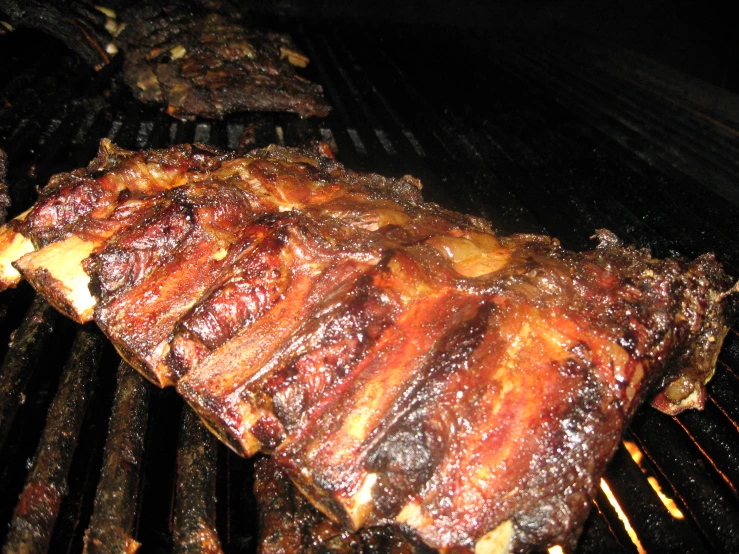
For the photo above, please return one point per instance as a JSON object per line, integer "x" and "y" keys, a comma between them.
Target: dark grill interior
{"x": 548, "y": 133}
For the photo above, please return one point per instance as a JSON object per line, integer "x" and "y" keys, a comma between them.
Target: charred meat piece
{"x": 289, "y": 523}
{"x": 207, "y": 64}
{"x": 406, "y": 367}
{"x": 81, "y": 25}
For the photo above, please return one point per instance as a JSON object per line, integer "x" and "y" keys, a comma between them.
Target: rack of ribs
{"x": 401, "y": 363}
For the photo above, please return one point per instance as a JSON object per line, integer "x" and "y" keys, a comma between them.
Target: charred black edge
{"x": 83, "y": 32}
{"x": 195, "y": 504}
{"x": 111, "y": 526}
{"x": 455, "y": 349}
{"x": 46, "y": 485}
{"x": 18, "y": 365}
{"x": 700, "y": 349}
{"x": 212, "y": 416}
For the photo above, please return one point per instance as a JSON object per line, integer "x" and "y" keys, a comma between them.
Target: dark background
{"x": 698, "y": 38}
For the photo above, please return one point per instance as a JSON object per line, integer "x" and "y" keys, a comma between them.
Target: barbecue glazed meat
{"x": 288, "y": 523}
{"x": 199, "y": 63}
{"x": 403, "y": 364}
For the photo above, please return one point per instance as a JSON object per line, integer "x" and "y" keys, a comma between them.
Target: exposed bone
{"x": 56, "y": 272}
{"x": 13, "y": 245}
{"x": 497, "y": 541}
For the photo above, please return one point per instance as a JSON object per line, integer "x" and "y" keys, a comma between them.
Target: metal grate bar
{"x": 113, "y": 521}
{"x": 19, "y": 363}
{"x": 716, "y": 437}
{"x": 709, "y": 502}
{"x": 657, "y": 529}
{"x": 47, "y": 483}
{"x": 195, "y": 504}
{"x": 483, "y": 192}
{"x": 723, "y": 391}
{"x": 633, "y": 77}
{"x": 641, "y": 142}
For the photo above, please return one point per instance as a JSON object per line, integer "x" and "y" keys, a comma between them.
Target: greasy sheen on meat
{"x": 201, "y": 63}
{"x": 402, "y": 364}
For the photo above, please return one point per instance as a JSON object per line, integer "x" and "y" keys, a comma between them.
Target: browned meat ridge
{"x": 403, "y": 364}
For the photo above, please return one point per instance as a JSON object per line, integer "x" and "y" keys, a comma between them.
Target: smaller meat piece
{"x": 82, "y": 26}
{"x": 4, "y": 197}
{"x": 289, "y": 523}
{"x": 208, "y": 64}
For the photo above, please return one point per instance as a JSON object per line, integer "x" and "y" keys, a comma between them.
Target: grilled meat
{"x": 196, "y": 59}
{"x": 78, "y": 23}
{"x": 404, "y": 365}
{"x": 200, "y": 63}
{"x": 288, "y": 523}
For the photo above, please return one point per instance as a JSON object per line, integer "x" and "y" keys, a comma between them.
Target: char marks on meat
{"x": 288, "y": 523}
{"x": 405, "y": 367}
{"x": 203, "y": 63}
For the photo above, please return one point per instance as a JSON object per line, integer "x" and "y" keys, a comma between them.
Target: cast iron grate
{"x": 538, "y": 134}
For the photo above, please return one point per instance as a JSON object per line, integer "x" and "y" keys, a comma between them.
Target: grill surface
{"x": 550, "y": 133}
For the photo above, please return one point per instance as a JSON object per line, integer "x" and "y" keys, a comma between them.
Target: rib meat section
{"x": 405, "y": 367}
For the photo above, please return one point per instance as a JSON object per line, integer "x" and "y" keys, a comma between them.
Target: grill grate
{"x": 538, "y": 134}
